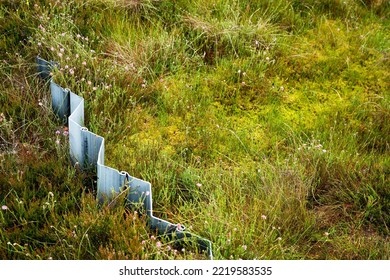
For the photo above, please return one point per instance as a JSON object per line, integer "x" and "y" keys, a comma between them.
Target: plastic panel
{"x": 87, "y": 150}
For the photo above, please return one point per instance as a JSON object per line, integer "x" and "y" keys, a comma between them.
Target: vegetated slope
{"x": 263, "y": 125}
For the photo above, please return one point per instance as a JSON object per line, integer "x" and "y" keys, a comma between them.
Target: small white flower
{"x": 180, "y": 227}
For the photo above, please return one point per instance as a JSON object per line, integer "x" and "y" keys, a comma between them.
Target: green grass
{"x": 263, "y": 125}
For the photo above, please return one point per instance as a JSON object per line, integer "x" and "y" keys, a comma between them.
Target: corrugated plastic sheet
{"x": 87, "y": 150}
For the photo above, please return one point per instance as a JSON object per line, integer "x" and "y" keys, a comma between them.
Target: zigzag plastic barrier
{"x": 87, "y": 150}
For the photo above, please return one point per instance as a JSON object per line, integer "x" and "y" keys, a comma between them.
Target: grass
{"x": 262, "y": 125}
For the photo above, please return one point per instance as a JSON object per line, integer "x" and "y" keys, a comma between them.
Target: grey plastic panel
{"x": 60, "y": 100}
{"x": 87, "y": 150}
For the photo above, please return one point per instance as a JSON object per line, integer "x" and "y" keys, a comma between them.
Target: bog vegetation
{"x": 262, "y": 125}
